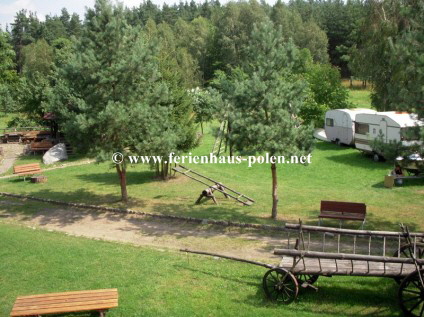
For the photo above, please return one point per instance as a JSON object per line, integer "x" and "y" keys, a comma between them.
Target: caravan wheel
{"x": 376, "y": 157}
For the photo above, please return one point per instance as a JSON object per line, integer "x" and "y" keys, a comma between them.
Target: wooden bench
{"x": 68, "y": 302}
{"x": 342, "y": 211}
{"x": 27, "y": 169}
{"x": 43, "y": 145}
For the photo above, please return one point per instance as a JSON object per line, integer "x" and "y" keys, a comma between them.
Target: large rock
{"x": 55, "y": 154}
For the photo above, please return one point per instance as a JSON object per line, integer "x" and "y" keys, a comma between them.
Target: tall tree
{"x": 111, "y": 97}
{"x": 266, "y": 97}
{"x": 9, "y": 79}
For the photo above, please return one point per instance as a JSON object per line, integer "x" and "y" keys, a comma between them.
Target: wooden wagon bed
{"x": 346, "y": 267}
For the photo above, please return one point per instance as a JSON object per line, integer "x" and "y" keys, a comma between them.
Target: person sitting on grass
{"x": 398, "y": 174}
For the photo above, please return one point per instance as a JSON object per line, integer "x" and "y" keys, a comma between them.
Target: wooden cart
{"x": 301, "y": 265}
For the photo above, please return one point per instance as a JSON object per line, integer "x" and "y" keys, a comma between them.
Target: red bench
{"x": 343, "y": 211}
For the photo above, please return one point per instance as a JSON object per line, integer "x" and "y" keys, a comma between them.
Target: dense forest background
{"x": 378, "y": 41}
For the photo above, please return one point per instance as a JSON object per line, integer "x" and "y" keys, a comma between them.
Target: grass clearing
{"x": 151, "y": 282}
{"x": 336, "y": 173}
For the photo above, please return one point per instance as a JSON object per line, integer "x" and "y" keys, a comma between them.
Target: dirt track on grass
{"x": 145, "y": 231}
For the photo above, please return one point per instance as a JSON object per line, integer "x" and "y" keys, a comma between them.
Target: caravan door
{"x": 383, "y": 129}
{"x": 346, "y": 129}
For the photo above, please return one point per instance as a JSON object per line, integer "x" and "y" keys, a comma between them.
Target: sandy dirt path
{"x": 146, "y": 231}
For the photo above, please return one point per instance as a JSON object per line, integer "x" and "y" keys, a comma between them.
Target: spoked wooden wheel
{"x": 406, "y": 251}
{"x": 280, "y": 285}
{"x": 411, "y": 295}
{"x": 306, "y": 278}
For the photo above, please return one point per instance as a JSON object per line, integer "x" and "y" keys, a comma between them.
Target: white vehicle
{"x": 340, "y": 124}
{"x": 392, "y": 125}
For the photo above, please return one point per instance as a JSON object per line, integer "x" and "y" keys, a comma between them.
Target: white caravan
{"x": 394, "y": 126}
{"x": 340, "y": 124}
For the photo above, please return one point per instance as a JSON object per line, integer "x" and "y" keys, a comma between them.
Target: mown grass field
{"x": 167, "y": 283}
{"x": 336, "y": 173}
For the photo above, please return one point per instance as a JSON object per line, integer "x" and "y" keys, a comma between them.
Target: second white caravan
{"x": 392, "y": 125}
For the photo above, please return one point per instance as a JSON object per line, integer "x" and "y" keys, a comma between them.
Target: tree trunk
{"x": 274, "y": 191}
{"x": 121, "y": 169}
{"x": 228, "y": 138}
{"x": 201, "y": 126}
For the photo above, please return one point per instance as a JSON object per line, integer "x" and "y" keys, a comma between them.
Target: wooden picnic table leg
{"x": 102, "y": 313}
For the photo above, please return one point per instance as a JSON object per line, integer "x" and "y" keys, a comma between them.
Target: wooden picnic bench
{"x": 27, "y": 169}
{"x": 68, "y": 302}
{"x": 342, "y": 211}
{"x": 43, "y": 145}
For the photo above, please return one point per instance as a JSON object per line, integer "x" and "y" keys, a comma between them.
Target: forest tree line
{"x": 365, "y": 39}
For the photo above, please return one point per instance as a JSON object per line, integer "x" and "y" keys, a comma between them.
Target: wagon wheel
{"x": 306, "y": 278}
{"x": 280, "y": 285}
{"x": 411, "y": 295}
{"x": 406, "y": 251}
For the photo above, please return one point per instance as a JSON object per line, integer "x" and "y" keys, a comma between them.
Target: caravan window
{"x": 329, "y": 122}
{"x": 362, "y": 128}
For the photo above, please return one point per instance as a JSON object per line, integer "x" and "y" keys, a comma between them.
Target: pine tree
{"x": 112, "y": 97}
{"x": 266, "y": 99}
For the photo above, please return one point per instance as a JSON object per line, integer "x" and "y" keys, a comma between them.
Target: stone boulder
{"x": 55, "y": 154}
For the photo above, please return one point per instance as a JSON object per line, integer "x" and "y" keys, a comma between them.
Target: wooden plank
{"x": 344, "y": 267}
{"x": 65, "y": 305}
{"x": 73, "y": 292}
{"x": 75, "y": 297}
{"x": 65, "y": 310}
{"x": 345, "y": 256}
{"x": 295, "y": 226}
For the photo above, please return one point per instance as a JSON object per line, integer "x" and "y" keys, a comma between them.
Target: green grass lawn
{"x": 336, "y": 173}
{"x": 361, "y": 98}
{"x": 167, "y": 283}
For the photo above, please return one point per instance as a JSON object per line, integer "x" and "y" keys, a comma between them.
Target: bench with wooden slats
{"x": 68, "y": 302}
{"x": 342, "y": 211}
{"x": 27, "y": 169}
{"x": 43, "y": 145}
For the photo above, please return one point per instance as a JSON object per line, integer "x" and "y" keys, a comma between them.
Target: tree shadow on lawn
{"x": 111, "y": 178}
{"x": 227, "y": 212}
{"x": 330, "y": 146}
{"x": 358, "y": 160}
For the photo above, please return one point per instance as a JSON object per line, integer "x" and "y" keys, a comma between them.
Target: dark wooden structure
{"x": 39, "y": 179}
{"x": 27, "y": 169}
{"x": 218, "y": 186}
{"x": 342, "y": 211}
{"x": 301, "y": 267}
{"x": 67, "y": 302}
{"x": 41, "y": 146}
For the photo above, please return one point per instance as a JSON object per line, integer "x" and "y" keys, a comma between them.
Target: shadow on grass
{"x": 225, "y": 212}
{"x": 357, "y": 159}
{"x": 406, "y": 183}
{"x": 365, "y": 297}
{"x": 111, "y": 178}
{"x": 330, "y": 146}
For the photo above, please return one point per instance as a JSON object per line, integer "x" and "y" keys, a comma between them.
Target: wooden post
{"x": 274, "y": 191}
